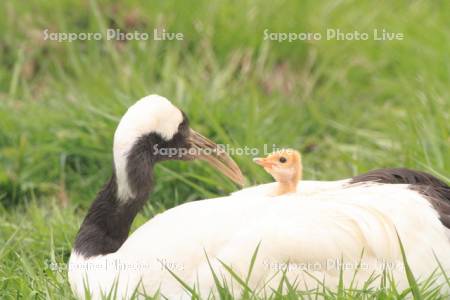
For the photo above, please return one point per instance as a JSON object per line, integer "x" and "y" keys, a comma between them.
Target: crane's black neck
{"x": 108, "y": 221}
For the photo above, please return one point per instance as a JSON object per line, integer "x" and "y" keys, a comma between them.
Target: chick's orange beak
{"x": 265, "y": 162}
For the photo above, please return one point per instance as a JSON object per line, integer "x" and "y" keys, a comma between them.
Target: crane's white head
{"x": 152, "y": 130}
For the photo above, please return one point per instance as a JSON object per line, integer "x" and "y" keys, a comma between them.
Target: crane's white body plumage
{"x": 315, "y": 229}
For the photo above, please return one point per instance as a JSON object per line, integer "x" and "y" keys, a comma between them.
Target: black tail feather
{"x": 434, "y": 189}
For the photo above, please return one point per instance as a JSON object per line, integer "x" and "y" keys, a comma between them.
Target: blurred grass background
{"x": 349, "y": 106}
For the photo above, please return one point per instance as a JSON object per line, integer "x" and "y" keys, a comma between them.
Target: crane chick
{"x": 285, "y": 166}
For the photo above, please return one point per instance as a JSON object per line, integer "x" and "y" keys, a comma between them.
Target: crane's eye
{"x": 282, "y": 159}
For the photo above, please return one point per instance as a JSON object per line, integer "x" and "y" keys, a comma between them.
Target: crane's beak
{"x": 207, "y": 150}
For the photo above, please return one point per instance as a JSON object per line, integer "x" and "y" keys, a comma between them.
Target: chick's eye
{"x": 282, "y": 160}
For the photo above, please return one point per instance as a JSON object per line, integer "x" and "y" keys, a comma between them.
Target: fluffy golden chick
{"x": 285, "y": 166}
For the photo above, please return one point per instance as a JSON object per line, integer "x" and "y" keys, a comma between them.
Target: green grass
{"x": 349, "y": 106}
